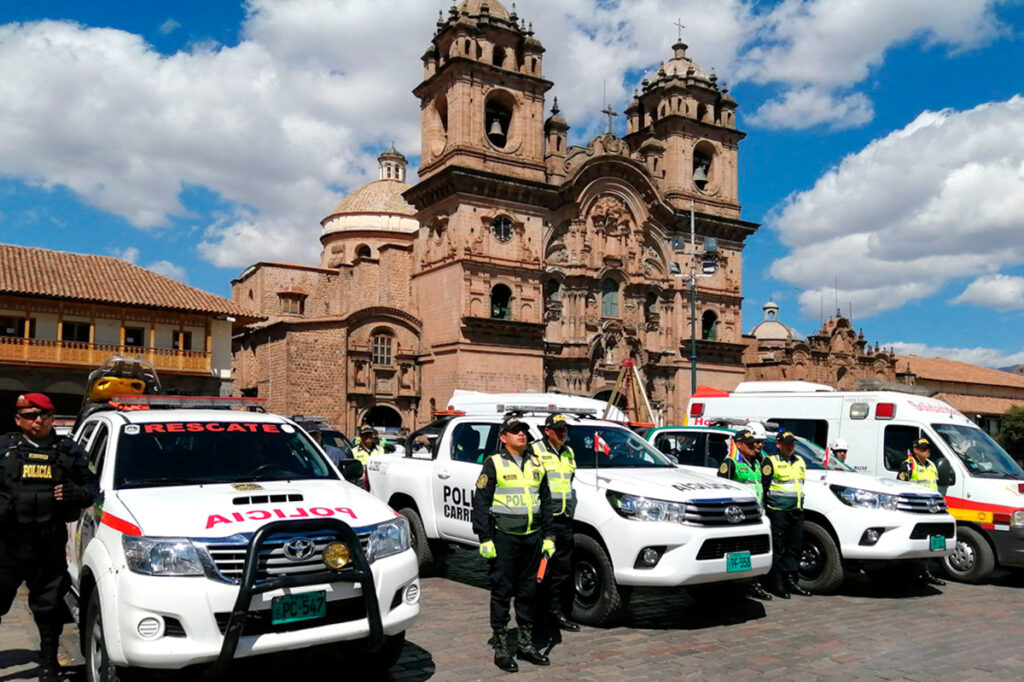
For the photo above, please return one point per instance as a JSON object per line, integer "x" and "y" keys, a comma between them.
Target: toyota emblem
{"x": 733, "y": 514}
{"x": 299, "y": 549}
{"x": 934, "y": 505}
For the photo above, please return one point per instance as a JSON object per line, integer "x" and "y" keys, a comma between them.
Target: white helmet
{"x": 839, "y": 444}
{"x": 757, "y": 428}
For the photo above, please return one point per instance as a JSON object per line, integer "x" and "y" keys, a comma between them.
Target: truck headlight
{"x": 644, "y": 509}
{"x": 868, "y": 499}
{"x": 1018, "y": 518}
{"x": 161, "y": 556}
{"x": 390, "y": 537}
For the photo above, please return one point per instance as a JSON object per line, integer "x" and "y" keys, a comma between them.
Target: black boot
{"x": 564, "y": 623}
{"x": 502, "y": 658}
{"x": 928, "y": 578}
{"x": 49, "y": 640}
{"x": 794, "y": 586}
{"x": 778, "y": 586}
{"x": 528, "y": 652}
{"x": 758, "y": 592}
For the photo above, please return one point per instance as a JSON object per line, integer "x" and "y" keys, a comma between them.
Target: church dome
{"x": 378, "y": 205}
{"x": 681, "y": 66}
{"x": 475, "y": 8}
{"x": 771, "y": 329}
{"x": 380, "y": 196}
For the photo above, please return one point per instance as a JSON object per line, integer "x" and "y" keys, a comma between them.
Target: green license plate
{"x": 937, "y": 543}
{"x": 289, "y": 608}
{"x": 737, "y": 562}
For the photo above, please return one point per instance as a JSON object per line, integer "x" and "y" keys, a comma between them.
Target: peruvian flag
{"x": 828, "y": 453}
{"x": 601, "y": 445}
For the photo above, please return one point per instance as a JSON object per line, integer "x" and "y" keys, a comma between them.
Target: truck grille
{"x": 921, "y": 504}
{"x": 713, "y": 513}
{"x": 717, "y": 548}
{"x": 228, "y": 558}
{"x": 922, "y": 531}
{"x": 259, "y": 622}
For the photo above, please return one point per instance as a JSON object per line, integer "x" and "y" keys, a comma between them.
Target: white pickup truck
{"x": 640, "y": 521}
{"x": 851, "y": 520}
{"x": 221, "y": 534}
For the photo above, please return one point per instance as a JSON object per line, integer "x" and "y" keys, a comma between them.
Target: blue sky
{"x": 197, "y": 137}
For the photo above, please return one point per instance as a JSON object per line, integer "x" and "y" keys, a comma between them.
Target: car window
{"x": 898, "y": 438}
{"x": 718, "y": 448}
{"x": 982, "y": 456}
{"x": 814, "y": 430}
{"x": 686, "y": 447}
{"x": 472, "y": 442}
{"x": 98, "y": 448}
{"x": 613, "y": 447}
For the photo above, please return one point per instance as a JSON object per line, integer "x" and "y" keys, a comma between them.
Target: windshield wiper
{"x": 159, "y": 481}
{"x": 993, "y": 474}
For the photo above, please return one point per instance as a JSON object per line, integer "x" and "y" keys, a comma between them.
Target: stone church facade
{"x": 516, "y": 262}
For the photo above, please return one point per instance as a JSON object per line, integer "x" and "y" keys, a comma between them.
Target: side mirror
{"x": 388, "y": 449}
{"x": 352, "y": 470}
{"x": 947, "y": 476}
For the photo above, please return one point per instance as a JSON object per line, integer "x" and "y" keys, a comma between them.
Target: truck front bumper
{"x": 901, "y": 535}
{"x": 688, "y": 554}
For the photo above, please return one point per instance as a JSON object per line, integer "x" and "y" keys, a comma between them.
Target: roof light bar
{"x": 127, "y": 403}
{"x": 547, "y": 409}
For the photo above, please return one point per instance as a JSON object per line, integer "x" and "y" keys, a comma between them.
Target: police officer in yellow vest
{"x": 918, "y": 468}
{"x": 559, "y": 462}
{"x": 785, "y": 503}
{"x": 512, "y": 518}
{"x": 367, "y": 446}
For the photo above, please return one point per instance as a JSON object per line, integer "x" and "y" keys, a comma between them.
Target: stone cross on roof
{"x": 610, "y": 113}
{"x": 679, "y": 24}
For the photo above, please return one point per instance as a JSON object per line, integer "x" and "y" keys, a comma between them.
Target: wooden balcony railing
{"x": 48, "y": 351}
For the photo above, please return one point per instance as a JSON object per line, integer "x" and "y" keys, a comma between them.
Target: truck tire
{"x": 420, "y": 542}
{"x": 98, "y": 667}
{"x": 821, "y": 564}
{"x": 972, "y": 559}
{"x": 597, "y": 597}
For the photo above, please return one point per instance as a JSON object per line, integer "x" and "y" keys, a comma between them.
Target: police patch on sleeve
{"x": 482, "y": 481}
{"x": 724, "y": 468}
{"x": 902, "y": 475}
{"x": 767, "y": 470}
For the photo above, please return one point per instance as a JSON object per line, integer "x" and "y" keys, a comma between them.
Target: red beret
{"x": 34, "y": 400}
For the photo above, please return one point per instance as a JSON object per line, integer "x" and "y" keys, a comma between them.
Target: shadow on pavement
{"x": 1008, "y": 577}
{"x": 19, "y": 657}
{"x": 882, "y": 586}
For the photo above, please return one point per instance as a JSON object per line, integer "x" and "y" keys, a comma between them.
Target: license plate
{"x": 737, "y": 562}
{"x": 937, "y": 543}
{"x": 289, "y": 608}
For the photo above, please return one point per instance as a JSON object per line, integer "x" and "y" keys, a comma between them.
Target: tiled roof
{"x": 103, "y": 279}
{"x": 975, "y": 404}
{"x": 380, "y": 196}
{"x": 940, "y": 369}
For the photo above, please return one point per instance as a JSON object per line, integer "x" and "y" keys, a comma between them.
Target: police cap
{"x": 555, "y": 421}
{"x": 744, "y": 436}
{"x": 785, "y": 437}
{"x": 366, "y": 429}
{"x": 922, "y": 444}
{"x": 39, "y": 400}
{"x": 513, "y": 424}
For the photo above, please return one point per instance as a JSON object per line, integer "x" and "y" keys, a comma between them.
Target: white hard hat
{"x": 757, "y": 428}
{"x": 839, "y": 444}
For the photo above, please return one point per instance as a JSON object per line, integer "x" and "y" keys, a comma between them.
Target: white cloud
{"x": 809, "y": 107}
{"x": 986, "y": 357}
{"x": 129, "y": 253}
{"x": 1002, "y": 292}
{"x": 940, "y": 199}
{"x": 169, "y": 26}
{"x": 168, "y": 269}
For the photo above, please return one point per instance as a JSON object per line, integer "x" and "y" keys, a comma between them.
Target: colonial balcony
{"x": 19, "y": 350}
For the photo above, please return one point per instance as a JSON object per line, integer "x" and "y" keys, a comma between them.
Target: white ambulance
{"x": 222, "y": 534}
{"x": 983, "y": 485}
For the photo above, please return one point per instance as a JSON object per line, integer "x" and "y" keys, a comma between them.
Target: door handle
{"x": 443, "y": 474}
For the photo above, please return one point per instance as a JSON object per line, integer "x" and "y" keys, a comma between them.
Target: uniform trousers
{"x": 513, "y": 573}
{"x": 787, "y": 539}
{"x": 35, "y": 556}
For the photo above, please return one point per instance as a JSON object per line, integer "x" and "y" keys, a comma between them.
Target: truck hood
{"x": 222, "y": 510}
{"x": 674, "y": 485}
{"x": 849, "y": 479}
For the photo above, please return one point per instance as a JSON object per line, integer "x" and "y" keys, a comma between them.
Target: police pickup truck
{"x": 640, "y": 521}
{"x": 222, "y": 534}
{"x": 851, "y": 520}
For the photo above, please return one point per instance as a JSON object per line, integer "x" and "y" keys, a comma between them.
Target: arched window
{"x": 380, "y": 349}
{"x": 501, "y": 302}
{"x": 363, "y": 251}
{"x": 709, "y": 326}
{"x": 499, "y": 109}
{"x": 552, "y": 290}
{"x": 499, "y": 56}
{"x": 609, "y": 298}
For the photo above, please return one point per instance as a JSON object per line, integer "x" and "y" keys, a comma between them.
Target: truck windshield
{"x": 612, "y": 447}
{"x": 812, "y": 455}
{"x": 194, "y": 453}
{"x": 980, "y": 454}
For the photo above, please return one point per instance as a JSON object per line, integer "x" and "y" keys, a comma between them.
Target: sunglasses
{"x": 32, "y": 416}
{"x": 519, "y": 429}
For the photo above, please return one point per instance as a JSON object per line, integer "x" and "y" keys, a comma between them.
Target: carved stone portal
{"x": 610, "y": 216}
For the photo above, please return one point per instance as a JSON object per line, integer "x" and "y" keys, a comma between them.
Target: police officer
{"x": 785, "y": 474}
{"x": 559, "y": 463}
{"x": 367, "y": 445}
{"x": 918, "y": 468}
{"x": 44, "y": 482}
{"x": 512, "y": 518}
{"x": 744, "y": 465}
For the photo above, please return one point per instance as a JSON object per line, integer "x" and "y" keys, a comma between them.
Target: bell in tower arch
{"x": 496, "y": 134}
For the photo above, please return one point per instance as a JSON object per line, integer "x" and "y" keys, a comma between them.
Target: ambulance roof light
{"x": 546, "y": 409}
{"x": 127, "y": 403}
{"x": 885, "y": 410}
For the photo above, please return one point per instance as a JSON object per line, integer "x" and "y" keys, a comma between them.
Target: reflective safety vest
{"x": 363, "y": 455}
{"x": 787, "y": 487}
{"x": 926, "y": 474}
{"x": 560, "y": 469}
{"x": 516, "y": 503}
{"x": 750, "y": 476}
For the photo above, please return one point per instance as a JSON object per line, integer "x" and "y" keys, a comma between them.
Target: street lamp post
{"x": 709, "y": 266}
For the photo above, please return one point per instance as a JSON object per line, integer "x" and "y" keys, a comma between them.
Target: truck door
{"x": 896, "y": 443}
{"x": 455, "y": 477}
{"x": 94, "y": 439}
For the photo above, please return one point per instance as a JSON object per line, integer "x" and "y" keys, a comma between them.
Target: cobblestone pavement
{"x": 867, "y": 632}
